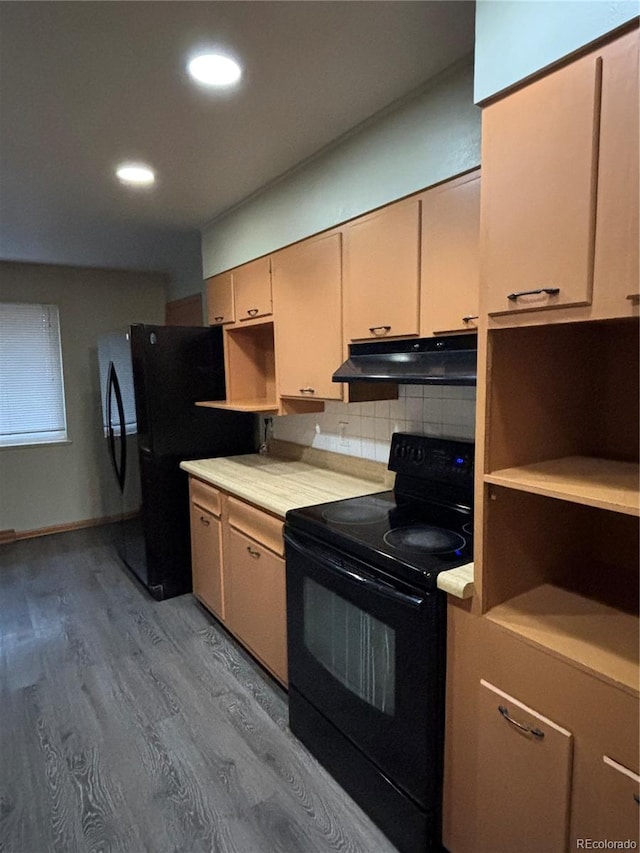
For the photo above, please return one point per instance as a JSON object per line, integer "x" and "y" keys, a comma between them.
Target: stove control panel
{"x": 428, "y": 458}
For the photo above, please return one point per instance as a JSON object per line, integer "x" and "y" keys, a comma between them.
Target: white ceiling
{"x": 84, "y": 85}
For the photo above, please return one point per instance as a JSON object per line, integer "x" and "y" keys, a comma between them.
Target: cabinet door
{"x": 307, "y": 292}
{"x": 220, "y": 299}
{"x": 255, "y": 598}
{"x": 206, "y": 559}
{"x": 449, "y": 286}
{"x": 616, "y": 256}
{"x": 539, "y": 151}
{"x": 524, "y": 776}
{"x": 619, "y": 801}
{"x": 252, "y": 289}
{"x": 381, "y": 273}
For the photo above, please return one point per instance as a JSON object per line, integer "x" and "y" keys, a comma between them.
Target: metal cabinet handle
{"x": 221, "y": 317}
{"x": 469, "y": 318}
{"x": 252, "y": 552}
{"x": 252, "y": 312}
{"x": 550, "y": 291}
{"x": 204, "y": 521}
{"x": 307, "y": 390}
{"x": 526, "y": 729}
{"x": 379, "y": 330}
{"x": 634, "y": 297}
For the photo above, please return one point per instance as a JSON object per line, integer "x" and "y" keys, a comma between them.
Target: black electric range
{"x": 366, "y": 629}
{"x": 422, "y": 527}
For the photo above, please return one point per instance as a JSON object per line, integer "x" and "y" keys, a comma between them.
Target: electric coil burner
{"x": 367, "y": 633}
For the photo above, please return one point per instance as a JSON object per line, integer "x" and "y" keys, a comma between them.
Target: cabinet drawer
{"x": 257, "y": 524}
{"x": 205, "y": 496}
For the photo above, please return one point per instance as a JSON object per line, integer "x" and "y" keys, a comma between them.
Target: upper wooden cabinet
{"x": 307, "y": 303}
{"x": 252, "y": 289}
{"x": 539, "y": 169}
{"x": 616, "y": 282}
{"x": 559, "y": 222}
{"x": 449, "y": 286}
{"x": 382, "y": 273}
{"x": 220, "y": 308}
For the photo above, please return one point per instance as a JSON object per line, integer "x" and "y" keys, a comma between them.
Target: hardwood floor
{"x": 133, "y": 725}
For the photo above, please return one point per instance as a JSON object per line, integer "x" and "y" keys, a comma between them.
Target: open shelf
{"x": 601, "y": 483}
{"x": 591, "y": 635}
{"x": 255, "y": 405}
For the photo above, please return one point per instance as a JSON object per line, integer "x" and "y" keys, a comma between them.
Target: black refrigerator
{"x": 151, "y": 378}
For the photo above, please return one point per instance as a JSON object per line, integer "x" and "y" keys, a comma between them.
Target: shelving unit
{"x": 602, "y": 483}
{"x": 250, "y": 370}
{"x": 593, "y": 636}
{"x": 561, "y": 495}
{"x": 258, "y": 405}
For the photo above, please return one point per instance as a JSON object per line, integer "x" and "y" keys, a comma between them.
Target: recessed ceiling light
{"x": 135, "y": 174}
{"x": 213, "y": 69}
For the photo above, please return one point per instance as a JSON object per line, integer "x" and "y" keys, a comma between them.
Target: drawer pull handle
{"x": 307, "y": 390}
{"x": 252, "y": 312}
{"x": 526, "y": 729}
{"x": 550, "y": 291}
{"x": 379, "y": 330}
{"x": 634, "y": 297}
{"x": 469, "y": 318}
{"x": 217, "y": 319}
{"x": 255, "y": 554}
{"x": 636, "y": 797}
{"x": 204, "y": 521}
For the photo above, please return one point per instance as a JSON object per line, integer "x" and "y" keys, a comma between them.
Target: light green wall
{"x": 427, "y": 138}
{"x": 516, "y": 38}
{"x": 60, "y": 484}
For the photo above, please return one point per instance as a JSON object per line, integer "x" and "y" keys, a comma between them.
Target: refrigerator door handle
{"x": 114, "y": 386}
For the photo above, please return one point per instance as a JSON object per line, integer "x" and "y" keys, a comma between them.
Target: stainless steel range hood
{"x": 417, "y": 361}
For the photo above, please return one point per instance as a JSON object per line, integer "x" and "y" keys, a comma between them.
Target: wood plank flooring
{"x": 133, "y": 725}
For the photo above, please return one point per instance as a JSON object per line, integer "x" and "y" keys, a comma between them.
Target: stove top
{"x": 411, "y": 539}
{"x": 422, "y": 527}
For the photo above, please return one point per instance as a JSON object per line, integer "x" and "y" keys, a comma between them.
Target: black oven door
{"x": 368, "y": 653}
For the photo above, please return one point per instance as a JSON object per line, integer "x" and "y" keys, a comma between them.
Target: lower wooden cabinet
{"x": 619, "y": 797}
{"x": 524, "y": 777}
{"x": 237, "y": 555}
{"x": 510, "y": 790}
{"x": 206, "y": 546}
{"x": 255, "y": 594}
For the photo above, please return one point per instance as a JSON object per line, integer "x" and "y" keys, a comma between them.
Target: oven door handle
{"x": 350, "y": 571}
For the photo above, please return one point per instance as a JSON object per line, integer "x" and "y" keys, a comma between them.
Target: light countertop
{"x": 278, "y": 485}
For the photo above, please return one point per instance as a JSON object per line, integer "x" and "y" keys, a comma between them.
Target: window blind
{"x": 32, "y": 409}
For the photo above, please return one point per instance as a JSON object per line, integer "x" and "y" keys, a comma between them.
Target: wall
{"x": 60, "y": 484}
{"x": 516, "y": 38}
{"x": 176, "y": 254}
{"x": 427, "y": 138}
{"x": 364, "y": 429}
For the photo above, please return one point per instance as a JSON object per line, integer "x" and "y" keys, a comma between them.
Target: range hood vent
{"x": 418, "y": 361}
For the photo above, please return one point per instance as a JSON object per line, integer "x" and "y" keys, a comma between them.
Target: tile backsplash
{"x": 365, "y": 429}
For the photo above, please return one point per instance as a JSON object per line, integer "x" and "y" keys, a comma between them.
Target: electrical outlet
{"x": 343, "y": 438}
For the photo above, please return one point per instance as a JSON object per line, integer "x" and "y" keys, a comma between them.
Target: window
{"x": 31, "y": 383}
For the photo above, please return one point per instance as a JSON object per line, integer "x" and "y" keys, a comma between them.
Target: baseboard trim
{"x": 65, "y": 528}
{"x": 7, "y": 536}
